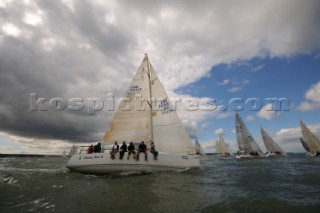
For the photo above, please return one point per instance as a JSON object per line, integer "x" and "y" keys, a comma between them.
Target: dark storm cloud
{"x": 64, "y": 70}
{"x": 87, "y": 49}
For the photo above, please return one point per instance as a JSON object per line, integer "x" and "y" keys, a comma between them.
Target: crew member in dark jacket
{"x": 131, "y": 149}
{"x": 153, "y": 151}
{"x": 97, "y": 148}
{"x": 142, "y": 148}
{"x": 123, "y": 149}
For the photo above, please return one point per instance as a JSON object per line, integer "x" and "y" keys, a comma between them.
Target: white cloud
{"x": 249, "y": 118}
{"x": 29, "y": 145}
{"x": 224, "y": 82}
{"x": 205, "y": 126}
{"x": 267, "y": 112}
{"x": 239, "y": 85}
{"x": 313, "y": 99}
{"x": 308, "y": 106}
{"x": 191, "y": 128}
{"x": 4, "y": 3}
{"x": 32, "y": 19}
{"x": 313, "y": 94}
{"x": 88, "y": 49}
{"x": 11, "y": 30}
{"x": 219, "y": 131}
{"x": 257, "y": 68}
{"x": 235, "y": 89}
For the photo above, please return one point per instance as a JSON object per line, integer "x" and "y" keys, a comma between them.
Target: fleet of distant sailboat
{"x": 163, "y": 127}
{"x": 249, "y": 148}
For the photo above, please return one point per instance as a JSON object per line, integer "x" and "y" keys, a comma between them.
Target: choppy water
{"x": 290, "y": 184}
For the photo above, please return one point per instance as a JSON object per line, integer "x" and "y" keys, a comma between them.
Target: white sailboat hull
{"x": 100, "y": 163}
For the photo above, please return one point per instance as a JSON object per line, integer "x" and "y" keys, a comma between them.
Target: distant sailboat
{"x": 64, "y": 154}
{"x": 247, "y": 145}
{"x": 312, "y": 142}
{"x": 73, "y": 150}
{"x": 304, "y": 144}
{"x": 271, "y": 145}
{"x": 199, "y": 149}
{"x": 145, "y": 114}
{"x": 222, "y": 148}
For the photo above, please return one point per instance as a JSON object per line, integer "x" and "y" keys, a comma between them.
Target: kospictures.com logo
{"x": 93, "y": 105}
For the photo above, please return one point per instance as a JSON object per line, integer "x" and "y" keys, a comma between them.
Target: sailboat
{"x": 145, "y": 114}
{"x": 304, "y": 144}
{"x": 64, "y": 154}
{"x": 222, "y": 148}
{"x": 199, "y": 149}
{"x": 273, "y": 149}
{"x": 312, "y": 142}
{"x": 247, "y": 145}
{"x": 73, "y": 150}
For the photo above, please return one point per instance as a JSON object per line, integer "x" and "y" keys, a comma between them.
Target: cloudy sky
{"x": 222, "y": 50}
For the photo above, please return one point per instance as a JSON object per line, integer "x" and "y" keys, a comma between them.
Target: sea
{"x": 222, "y": 184}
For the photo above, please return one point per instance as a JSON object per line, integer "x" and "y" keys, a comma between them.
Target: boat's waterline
{"x": 249, "y": 156}
{"x": 100, "y": 163}
{"x": 276, "y": 155}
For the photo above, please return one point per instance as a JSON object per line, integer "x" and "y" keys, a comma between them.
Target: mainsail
{"x": 271, "y": 145}
{"x": 222, "y": 147}
{"x": 304, "y": 144}
{"x": 199, "y": 149}
{"x": 245, "y": 141}
{"x": 310, "y": 139}
{"x": 146, "y": 114}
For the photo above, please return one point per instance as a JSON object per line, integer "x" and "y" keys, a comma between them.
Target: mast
{"x": 150, "y": 99}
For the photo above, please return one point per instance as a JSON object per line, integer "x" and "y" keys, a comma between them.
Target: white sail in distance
{"x": 313, "y": 143}
{"x": 199, "y": 149}
{"x": 222, "y": 147}
{"x": 150, "y": 117}
{"x": 245, "y": 141}
{"x": 304, "y": 144}
{"x": 271, "y": 145}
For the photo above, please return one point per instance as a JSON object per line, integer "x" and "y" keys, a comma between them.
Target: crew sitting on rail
{"x": 131, "y": 149}
{"x": 142, "y": 148}
{"x": 114, "y": 150}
